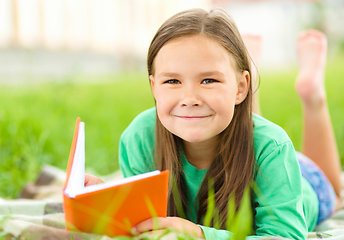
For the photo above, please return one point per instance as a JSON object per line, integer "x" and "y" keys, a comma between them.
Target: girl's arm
{"x": 137, "y": 143}
{"x": 278, "y": 193}
{"x": 135, "y": 156}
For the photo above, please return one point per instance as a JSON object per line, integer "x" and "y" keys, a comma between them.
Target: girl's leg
{"x": 319, "y": 143}
{"x": 253, "y": 44}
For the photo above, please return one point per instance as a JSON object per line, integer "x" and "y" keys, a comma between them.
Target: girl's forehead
{"x": 194, "y": 39}
{"x": 201, "y": 42}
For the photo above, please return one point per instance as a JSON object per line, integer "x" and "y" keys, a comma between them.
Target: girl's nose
{"x": 191, "y": 98}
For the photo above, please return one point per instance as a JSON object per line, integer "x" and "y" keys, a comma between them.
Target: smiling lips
{"x": 192, "y": 117}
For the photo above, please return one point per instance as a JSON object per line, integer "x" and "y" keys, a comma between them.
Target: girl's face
{"x": 196, "y": 87}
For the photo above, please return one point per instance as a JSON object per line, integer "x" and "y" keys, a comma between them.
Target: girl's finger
{"x": 92, "y": 180}
{"x": 155, "y": 233}
{"x": 150, "y": 224}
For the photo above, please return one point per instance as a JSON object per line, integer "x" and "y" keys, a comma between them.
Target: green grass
{"x": 37, "y": 124}
{"x": 37, "y": 120}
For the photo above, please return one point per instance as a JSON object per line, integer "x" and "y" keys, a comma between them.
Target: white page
{"x": 109, "y": 184}
{"x": 77, "y": 175}
{"x": 76, "y": 181}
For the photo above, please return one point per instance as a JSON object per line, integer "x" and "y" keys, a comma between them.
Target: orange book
{"x": 114, "y": 207}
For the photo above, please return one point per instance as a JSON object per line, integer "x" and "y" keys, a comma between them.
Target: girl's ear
{"x": 243, "y": 86}
{"x": 151, "y": 78}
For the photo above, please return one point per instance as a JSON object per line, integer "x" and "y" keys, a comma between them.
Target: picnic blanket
{"x": 41, "y": 216}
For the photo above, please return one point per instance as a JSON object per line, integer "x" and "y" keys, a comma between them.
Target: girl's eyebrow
{"x": 211, "y": 73}
{"x": 201, "y": 74}
{"x": 168, "y": 74}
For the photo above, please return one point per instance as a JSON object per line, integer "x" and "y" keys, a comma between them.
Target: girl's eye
{"x": 207, "y": 81}
{"x": 172, "y": 81}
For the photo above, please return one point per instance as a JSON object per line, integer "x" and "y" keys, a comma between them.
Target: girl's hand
{"x": 156, "y": 225}
{"x": 92, "y": 180}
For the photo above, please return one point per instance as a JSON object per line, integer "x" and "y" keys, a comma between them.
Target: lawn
{"x": 37, "y": 120}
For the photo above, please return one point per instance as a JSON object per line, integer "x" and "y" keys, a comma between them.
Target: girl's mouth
{"x": 192, "y": 117}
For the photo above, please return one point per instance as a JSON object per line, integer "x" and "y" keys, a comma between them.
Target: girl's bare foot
{"x": 254, "y": 45}
{"x": 311, "y": 52}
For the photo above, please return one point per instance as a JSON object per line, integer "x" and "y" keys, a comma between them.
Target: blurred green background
{"x": 37, "y": 120}
{"x": 60, "y": 60}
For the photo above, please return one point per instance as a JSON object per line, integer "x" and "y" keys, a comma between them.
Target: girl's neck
{"x": 200, "y": 155}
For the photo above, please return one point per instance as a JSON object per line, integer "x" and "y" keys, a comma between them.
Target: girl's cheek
{"x": 165, "y": 97}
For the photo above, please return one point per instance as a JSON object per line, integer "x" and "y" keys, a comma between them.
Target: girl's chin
{"x": 196, "y": 140}
{"x": 189, "y": 140}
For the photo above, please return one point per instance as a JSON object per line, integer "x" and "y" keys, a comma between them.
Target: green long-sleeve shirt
{"x": 285, "y": 193}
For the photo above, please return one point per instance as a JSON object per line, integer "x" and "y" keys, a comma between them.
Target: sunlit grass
{"x": 37, "y": 121}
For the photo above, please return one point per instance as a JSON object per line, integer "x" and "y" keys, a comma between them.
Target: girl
{"x": 203, "y": 128}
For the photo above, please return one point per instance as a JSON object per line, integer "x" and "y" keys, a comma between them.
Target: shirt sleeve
{"x": 212, "y": 233}
{"x": 136, "y": 153}
{"x": 278, "y": 194}
{"x": 220, "y": 234}
{"x": 277, "y": 198}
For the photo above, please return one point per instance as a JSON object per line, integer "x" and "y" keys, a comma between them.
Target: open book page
{"x": 76, "y": 181}
{"x": 113, "y": 183}
{"x": 77, "y": 175}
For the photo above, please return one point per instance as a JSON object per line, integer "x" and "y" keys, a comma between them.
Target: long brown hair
{"x": 233, "y": 166}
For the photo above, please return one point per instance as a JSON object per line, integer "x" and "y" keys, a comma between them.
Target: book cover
{"x": 114, "y": 207}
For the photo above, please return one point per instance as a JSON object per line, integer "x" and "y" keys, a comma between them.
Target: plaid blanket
{"x": 41, "y": 217}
